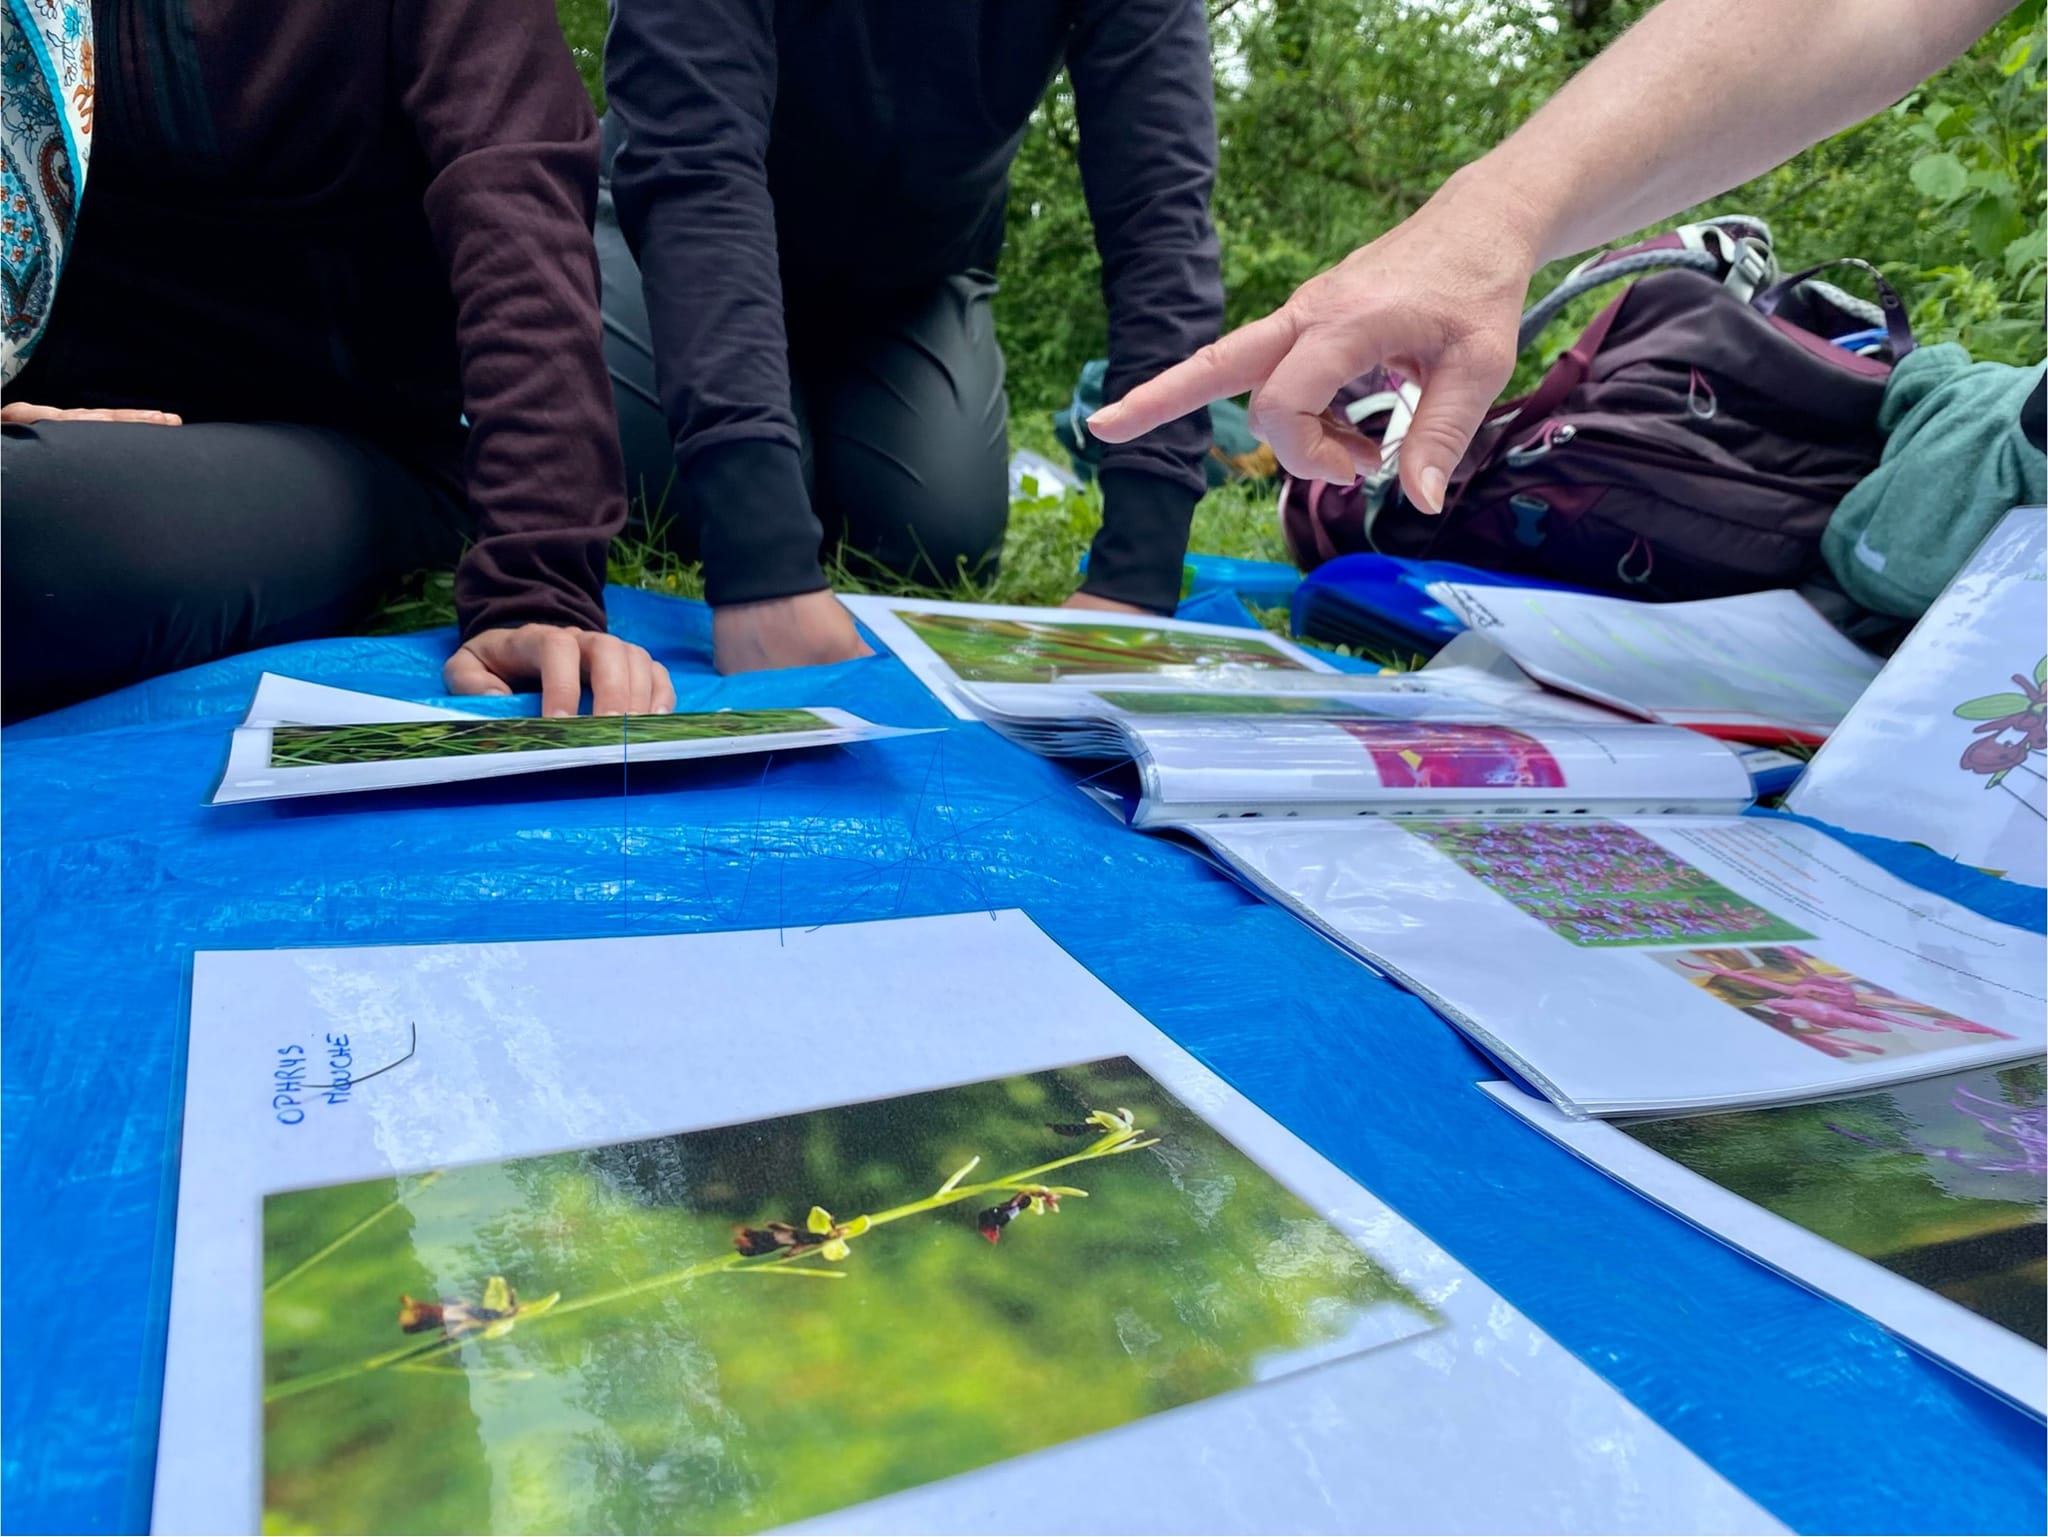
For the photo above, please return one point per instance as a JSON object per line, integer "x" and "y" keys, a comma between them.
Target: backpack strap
{"x": 1734, "y": 248}
{"x": 1891, "y": 308}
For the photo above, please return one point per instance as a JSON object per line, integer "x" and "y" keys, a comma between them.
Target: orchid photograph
{"x": 738, "y": 1328}
{"x": 1943, "y": 1181}
{"x": 1822, "y": 1006}
{"x": 1448, "y": 755}
{"x": 1601, "y": 884}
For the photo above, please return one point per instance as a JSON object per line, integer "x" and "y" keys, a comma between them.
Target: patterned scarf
{"x": 46, "y": 79}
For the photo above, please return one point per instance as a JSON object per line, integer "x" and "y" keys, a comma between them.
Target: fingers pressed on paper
{"x": 466, "y": 674}
{"x": 611, "y": 675}
{"x": 664, "y": 699}
{"x": 561, "y": 672}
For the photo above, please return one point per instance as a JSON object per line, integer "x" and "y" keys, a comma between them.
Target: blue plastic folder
{"x": 1382, "y": 602}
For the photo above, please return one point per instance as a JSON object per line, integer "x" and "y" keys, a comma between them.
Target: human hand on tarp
{"x": 807, "y": 629}
{"x": 623, "y": 678}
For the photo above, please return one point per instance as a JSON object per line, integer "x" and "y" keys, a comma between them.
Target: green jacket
{"x": 1955, "y": 462}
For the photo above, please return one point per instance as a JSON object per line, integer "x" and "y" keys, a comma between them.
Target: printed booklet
{"x": 895, "y": 1227}
{"x": 308, "y": 739}
{"x": 1949, "y": 747}
{"x": 1661, "y": 964}
{"x": 1236, "y": 724}
{"x": 1923, "y": 1206}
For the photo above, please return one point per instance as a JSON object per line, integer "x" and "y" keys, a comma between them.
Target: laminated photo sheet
{"x": 948, "y": 645}
{"x": 514, "y": 1237}
{"x": 1949, "y": 746}
{"x": 308, "y": 739}
{"x": 1071, "y": 721}
{"x": 1762, "y": 666}
{"x": 1292, "y": 767}
{"x": 1921, "y": 1207}
{"x": 1660, "y": 964}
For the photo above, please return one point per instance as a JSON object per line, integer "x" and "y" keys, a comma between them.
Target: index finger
{"x": 561, "y": 673}
{"x": 1228, "y": 366}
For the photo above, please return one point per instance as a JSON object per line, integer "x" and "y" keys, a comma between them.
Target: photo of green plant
{"x": 983, "y": 650}
{"x": 1196, "y": 702}
{"x": 1602, "y": 884}
{"x": 738, "y": 1328}
{"x": 1943, "y": 1181}
{"x": 325, "y": 746}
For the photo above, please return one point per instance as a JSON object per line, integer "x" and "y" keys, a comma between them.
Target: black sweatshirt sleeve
{"x": 693, "y": 85}
{"x": 1147, "y": 112}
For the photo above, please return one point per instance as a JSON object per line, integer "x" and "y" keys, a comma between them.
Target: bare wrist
{"x": 1488, "y": 196}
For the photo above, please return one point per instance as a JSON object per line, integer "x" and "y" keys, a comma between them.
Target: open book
{"x": 1660, "y": 964}
{"x": 1234, "y": 724}
{"x": 1761, "y": 667}
{"x": 308, "y": 739}
{"x": 1949, "y": 747}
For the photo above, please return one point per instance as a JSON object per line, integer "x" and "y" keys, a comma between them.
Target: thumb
{"x": 467, "y": 674}
{"x": 1455, "y": 400}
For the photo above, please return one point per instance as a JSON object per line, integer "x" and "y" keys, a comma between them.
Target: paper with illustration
{"x": 950, "y": 646}
{"x": 881, "y": 1223}
{"x": 1661, "y": 964}
{"x": 1924, "y": 1206}
{"x": 1760, "y": 667}
{"x": 1949, "y": 746}
{"x": 308, "y": 739}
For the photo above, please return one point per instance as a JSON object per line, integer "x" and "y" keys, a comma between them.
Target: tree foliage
{"x": 1338, "y": 118}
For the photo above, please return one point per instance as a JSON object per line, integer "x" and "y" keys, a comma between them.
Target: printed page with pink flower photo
{"x": 1949, "y": 747}
{"x": 1661, "y": 964}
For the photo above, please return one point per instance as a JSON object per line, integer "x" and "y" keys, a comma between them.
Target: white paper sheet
{"x": 1946, "y": 748}
{"x": 1662, "y": 964}
{"x": 1759, "y": 667}
{"x": 1968, "y": 1341}
{"x": 527, "y": 1049}
{"x": 1020, "y": 645}
{"x": 285, "y": 709}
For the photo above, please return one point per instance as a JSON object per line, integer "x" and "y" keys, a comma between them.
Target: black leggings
{"x": 902, "y": 411}
{"x": 129, "y": 550}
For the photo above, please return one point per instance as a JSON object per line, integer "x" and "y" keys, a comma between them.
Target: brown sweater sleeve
{"x": 511, "y": 147}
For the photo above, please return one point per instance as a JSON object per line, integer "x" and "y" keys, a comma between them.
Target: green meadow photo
{"x": 733, "y": 1329}
{"x": 1195, "y": 702}
{"x": 326, "y": 746}
{"x": 984, "y": 650}
{"x": 1944, "y": 1181}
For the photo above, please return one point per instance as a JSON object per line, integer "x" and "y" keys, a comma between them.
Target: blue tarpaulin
{"x": 115, "y": 871}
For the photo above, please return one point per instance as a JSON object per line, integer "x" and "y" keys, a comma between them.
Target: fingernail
{"x": 1433, "y": 482}
{"x": 560, "y": 714}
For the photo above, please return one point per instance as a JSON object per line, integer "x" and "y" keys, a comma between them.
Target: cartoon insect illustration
{"x": 2012, "y": 733}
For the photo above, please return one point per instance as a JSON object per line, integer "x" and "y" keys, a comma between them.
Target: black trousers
{"x": 901, "y": 408}
{"x": 127, "y": 551}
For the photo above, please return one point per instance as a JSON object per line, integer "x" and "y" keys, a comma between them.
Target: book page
{"x": 1760, "y": 667}
{"x": 1949, "y": 746}
{"x": 1302, "y": 766}
{"x": 1682, "y": 963}
{"x": 906, "y": 1226}
{"x": 948, "y": 645}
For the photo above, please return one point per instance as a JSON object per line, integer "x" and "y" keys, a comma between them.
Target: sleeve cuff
{"x": 759, "y": 537}
{"x": 1143, "y": 541}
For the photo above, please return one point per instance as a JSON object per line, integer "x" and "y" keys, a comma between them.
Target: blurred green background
{"x": 1860, "y": 1172}
{"x": 1338, "y": 118}
{"x": 744, "y": 1400}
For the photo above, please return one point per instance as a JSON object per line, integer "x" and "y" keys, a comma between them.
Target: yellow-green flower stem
{"x": 1121, "y": 1140}
{"x": 361, "y": 1227}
